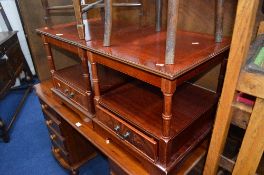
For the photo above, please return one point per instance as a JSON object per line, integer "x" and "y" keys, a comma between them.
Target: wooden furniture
{"x": 116, "y": 154}
{"x": 72, "y": 84}
{"x": 146, "y": 115}
{"x": 12, "y": 63}
{"x": 69, "y": 148}
{"x": 238, "y": 79}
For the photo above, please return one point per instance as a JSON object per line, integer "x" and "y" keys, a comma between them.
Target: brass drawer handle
{"x": 56, "y": 150}
{"x": 126, "y": 135}
{"x": 52, "y": 136}
{"x": 44, "y": 106}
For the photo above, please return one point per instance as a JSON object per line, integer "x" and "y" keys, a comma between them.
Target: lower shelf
{"x": 132, "y": 116}
{"x": 141, "y": 105}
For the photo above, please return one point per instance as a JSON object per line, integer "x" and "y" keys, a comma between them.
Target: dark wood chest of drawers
{"x": 11, "y": 60}
{"x": 68, "y": 147}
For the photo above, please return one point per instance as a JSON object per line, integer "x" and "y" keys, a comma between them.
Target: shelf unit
{"x": 237, "y": 79}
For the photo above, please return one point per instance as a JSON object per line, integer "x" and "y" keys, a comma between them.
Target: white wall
{"x": 14, "y": 20}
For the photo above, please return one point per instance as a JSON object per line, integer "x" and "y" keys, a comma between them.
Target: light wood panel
{"x": 245, "y": 20}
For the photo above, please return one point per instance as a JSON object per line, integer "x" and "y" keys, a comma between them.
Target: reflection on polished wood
{"x": 143, "y": 48}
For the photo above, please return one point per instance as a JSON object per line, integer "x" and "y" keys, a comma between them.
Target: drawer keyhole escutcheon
{"x": 117, "y": 128}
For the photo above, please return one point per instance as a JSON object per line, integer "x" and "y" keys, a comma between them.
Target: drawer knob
{"x": 126, "y": 135}
{"x": 56, "y": 150}
{"x": 44, "y": 106}
{"x": 52, "y": 136}
{"x": 49, "y": 122}
{"x": 117, "y": 128}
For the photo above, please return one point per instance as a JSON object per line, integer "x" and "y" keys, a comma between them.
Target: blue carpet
{"x": 29, "y": 149}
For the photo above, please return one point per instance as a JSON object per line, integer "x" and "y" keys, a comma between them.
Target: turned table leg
{"x": 168, "y": 88}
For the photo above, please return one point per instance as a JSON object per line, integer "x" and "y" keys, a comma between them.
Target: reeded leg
{"x": 168, "y": 88}
{"x": 158, "y": 15}
{"x": 108, "y": 22}
{"x": 173, "y": 10}
{"x": 219, "y": 21}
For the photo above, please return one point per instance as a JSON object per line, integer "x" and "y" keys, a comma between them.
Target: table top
{"x": 142, "y": 47}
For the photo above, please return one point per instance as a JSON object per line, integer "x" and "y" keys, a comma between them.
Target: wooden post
{"x": 158, "y": 15}
{"x": 173, "y": 10}
{"x": 78, "y": 15}
{"x": 219, "y": 21}
{"x": 95, "y": 78}
{"x": 245, "y": 19}
{"x": 168, "y": 88}
{"x": 252, "y": 146}
{"x": 108, "y": 22}
{"x": 49, "y": 55}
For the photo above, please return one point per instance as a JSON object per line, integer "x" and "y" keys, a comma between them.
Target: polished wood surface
{"x": 144, "y": 48}
{"x": 142, "y": 105}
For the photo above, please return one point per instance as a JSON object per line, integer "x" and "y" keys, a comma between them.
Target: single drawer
{"x": 60, "y": 153}
{"x": 125, "y": 132}
{"x": 55, "y": 136}
{"x": 75, "y": 95}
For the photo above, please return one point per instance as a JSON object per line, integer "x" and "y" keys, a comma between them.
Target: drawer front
{"x": 125, "y": 132}
{"x": 52, "y": 119}
{"x": 55, "y": 136}
{"x": 78, "y": 97}
{"x": 60, "y": 153}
